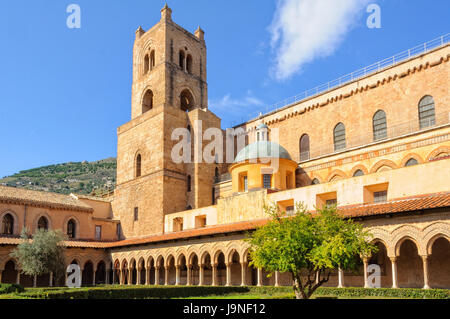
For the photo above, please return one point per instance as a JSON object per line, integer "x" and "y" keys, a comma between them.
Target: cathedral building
{"x": 377, "y": 145}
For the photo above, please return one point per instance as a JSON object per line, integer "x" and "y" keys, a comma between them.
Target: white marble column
{"x": 147, "y": 275}
{"x": 260, "y": 274}
{"x": 394, "y": 272}
{"x": 425, "y": 272}
{"x": 130, "y": 276}
{"x": 214, "y": 275}
{"x": 228, "y": 274}
{"x": 366, "y": 279}
{"x": 166, "y": 276}
{"x": 157, "y": 276}
{"x": 277, "y": 278}
{"x": 18, "y": 277}
{"x": 189, "y": 275}
{"x": 50, "y": 282}
{"x": 177, "y": 275}
{"x": 138, "y": 276}
{"x": 243, "y": 273}
{"x": 201, "y": 275}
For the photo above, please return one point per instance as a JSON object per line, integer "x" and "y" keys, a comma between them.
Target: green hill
{"x": 81, "y": 177}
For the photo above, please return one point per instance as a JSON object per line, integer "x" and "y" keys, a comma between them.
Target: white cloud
{"x": 236, "y": 108}
{"x": 303, "y": 30}
{"x": 227, "y": 102}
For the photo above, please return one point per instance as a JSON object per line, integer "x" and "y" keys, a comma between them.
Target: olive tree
{"x": 308, "y": 245}
{"x": 43, "y": 254}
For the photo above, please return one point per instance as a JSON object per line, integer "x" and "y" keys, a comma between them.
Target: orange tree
{"x": 308, "y": 245}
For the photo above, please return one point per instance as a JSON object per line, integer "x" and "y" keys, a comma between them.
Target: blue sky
{"x": 65, "y": 91}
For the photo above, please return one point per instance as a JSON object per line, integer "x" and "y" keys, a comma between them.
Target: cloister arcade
{"x": 408, "y": 257}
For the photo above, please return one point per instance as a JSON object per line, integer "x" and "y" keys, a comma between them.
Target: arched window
{"x": 8, "y": 225}
{"x": 146, "y": 64}
{"x": 181, "y": 59}
{"x": 71, "y": 229}
{"x": 315, "y": 181}
{"x": 152, "y": 59}
{"x": 339, "y": 137}
{"x": 186, "y": 101}
{"x": 189, "y": 63}
{"x": 189, "y": 183}
{"x": 304, "y": 147}
{"x": 426, "y": 112}
{"x": 43, "y": 223}
{"x": 147, "y": 101}
{"x": 213, "y": 196}
{"x": 379, "y": 125}
{"x": 411, "y": 162}
{"x": 138, "y": 165}
{"x": 358, "y": 172}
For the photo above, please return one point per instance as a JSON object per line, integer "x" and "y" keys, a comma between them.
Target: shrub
{"x": 10, "y": 288}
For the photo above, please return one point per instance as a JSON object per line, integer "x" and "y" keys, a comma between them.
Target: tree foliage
{"x": 309, "y": 246}
{"x": 41, "y": 255}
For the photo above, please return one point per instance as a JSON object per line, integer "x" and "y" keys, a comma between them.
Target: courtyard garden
{"x": 13, "y": 291}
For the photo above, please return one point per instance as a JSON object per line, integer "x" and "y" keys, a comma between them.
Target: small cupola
{"x": 262, "y": 132}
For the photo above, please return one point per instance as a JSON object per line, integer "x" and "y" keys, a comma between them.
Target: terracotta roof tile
{"x": 46, "y": 199}
{"x": 421, "y": 202}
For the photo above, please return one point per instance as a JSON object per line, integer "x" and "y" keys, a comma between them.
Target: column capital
{"x": 393, "y": 259}
{"x": 424, "y": 257}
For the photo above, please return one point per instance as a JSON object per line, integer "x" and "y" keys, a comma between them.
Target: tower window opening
{"x": 138, "y": 165}
{"x": 189, "y": 64}
{"x": 146, "y": 64}
{"x": 147, "y": 102}
{"x": 152, "y": 59}
{"x": 181, "y": 59}
{"x": 186, "y": 101}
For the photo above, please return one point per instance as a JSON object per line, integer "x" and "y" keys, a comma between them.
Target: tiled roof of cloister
{"x": 23, "y": 196}
{"x": 406, "y": 204}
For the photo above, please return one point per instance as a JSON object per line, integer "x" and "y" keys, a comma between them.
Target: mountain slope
{"x": 97, "y": 177}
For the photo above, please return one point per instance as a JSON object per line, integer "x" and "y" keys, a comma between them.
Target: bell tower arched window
{"x": 146, "y": 64}
{"x": 181, "y": 59}
{"x": 189, "y": 63}
{"x": 138, "y": 165}
{"x": 186, "y": 101}
{"x": 152, "y": 59}
{"x": 147, "y": 101}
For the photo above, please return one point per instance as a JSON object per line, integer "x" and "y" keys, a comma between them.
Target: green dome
{"x": 262, "y": 149}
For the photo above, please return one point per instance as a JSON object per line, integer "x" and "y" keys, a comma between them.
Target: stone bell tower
{"x": 169, "y": 91}
{"x": 169, "y": 67}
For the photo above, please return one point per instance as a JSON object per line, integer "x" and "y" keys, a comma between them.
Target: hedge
{"x": 384, "y": 292}
{"x": 10, "y": 288}
{"x": 142, "y": 292}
